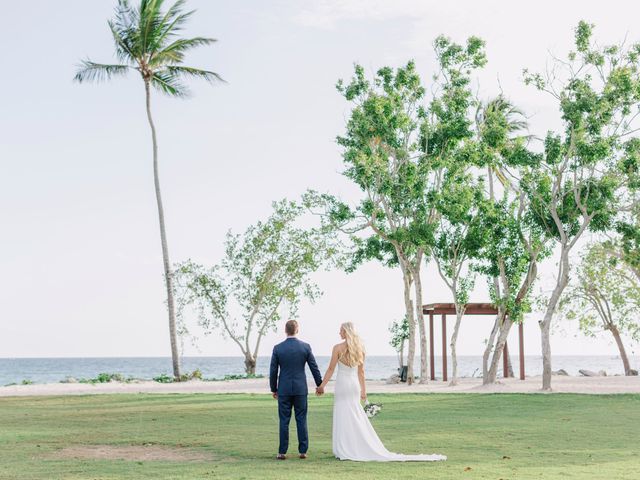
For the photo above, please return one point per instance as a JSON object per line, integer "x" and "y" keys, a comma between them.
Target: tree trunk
{"x": 249, "y": 364}
{"x": 487, "y": 351}
{"x": 623, "y": 353}
{"x": 406, "y": 276}
{"x": 496, "y": 285}
{"x": 496, "y": 325}
{"x": 454, "y": 340}
{"x": 424, "y": 377}
{"x": 546, "y": 354}
{"x": 545, "y": 324}
{"x": 509, "y": 366}
{"x": 503, "y": 333}
{"x": 401, "y": 354}
{"x": 168, "y": 274}
{"x": 497, "y": 353}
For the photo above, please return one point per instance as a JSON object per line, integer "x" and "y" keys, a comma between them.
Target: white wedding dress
{"x": 353, "y": 435}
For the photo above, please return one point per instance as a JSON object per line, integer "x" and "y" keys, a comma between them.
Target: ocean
{"x": 51, "y": 370}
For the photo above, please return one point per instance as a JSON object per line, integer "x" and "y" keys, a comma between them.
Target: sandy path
{"x": 560, "y": 384}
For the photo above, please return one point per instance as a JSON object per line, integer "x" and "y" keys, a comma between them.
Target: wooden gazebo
{"x": 445, "y": 309}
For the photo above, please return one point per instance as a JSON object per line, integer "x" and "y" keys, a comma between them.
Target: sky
{"x": 80, "y": 256}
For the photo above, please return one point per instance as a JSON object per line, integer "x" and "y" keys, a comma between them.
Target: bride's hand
{"x": 363, "y": 396}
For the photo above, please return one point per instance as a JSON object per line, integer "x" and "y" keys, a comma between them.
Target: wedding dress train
{"x": 353, "y": 435}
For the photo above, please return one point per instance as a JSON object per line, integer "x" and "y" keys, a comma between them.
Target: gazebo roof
{"x": 450, "y": 309}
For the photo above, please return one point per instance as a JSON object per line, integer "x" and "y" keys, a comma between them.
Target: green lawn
{"x": 504, "y": 436}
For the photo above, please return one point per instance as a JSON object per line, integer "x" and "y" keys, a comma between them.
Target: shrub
{"x": 163, "y": 378}
{"x": 196, "y": 374}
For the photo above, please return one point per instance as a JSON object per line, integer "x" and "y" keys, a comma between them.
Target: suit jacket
{"x": 290, "y": 357}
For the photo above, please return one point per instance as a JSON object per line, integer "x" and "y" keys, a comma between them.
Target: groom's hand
{"x": 319, "y": 391}
{"x": 274, "y": 395}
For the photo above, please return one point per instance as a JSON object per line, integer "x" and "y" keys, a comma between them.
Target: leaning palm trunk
{"x": 168, "y": 275}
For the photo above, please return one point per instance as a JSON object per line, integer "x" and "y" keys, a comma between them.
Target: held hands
{"x": 319, "y": 390}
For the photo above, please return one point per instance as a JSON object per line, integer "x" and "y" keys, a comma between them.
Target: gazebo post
{"x": 444, "y": 347}
{"x": 431, "y": 352}
{"x": 505, "y": 360}
{"x": 445, "y": 309}
{"x": 521, "y": 338}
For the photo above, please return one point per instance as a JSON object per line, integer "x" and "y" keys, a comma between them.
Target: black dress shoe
{"x": 281, "y": 456}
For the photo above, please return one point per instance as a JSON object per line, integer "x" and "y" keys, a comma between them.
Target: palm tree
{"x": 146, "y": 40}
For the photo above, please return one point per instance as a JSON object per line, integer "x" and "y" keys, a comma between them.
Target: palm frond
{"x": 125, "y": 32}
{"x": 144, "y": 38}
{"x": 89, "y": 71}
{"x": 170, "y": 28}
{"x": 500, "y": 107}
{"x": 124, "y": 43}
{"x": 149, "y": 24}
{"x": 181, "y": 71}
{"x": 174, "y": 11}
{"x": 174, "y": 19}
{"x": 174, "y": 53}
{"x": 169, "y": 84}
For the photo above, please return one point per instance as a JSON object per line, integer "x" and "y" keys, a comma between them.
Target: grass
{"x": 508, "y": 436}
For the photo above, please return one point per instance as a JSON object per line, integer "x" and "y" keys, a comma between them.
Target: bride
{"x": 353, "y": 436}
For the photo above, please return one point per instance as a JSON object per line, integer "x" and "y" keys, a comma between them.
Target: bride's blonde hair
{"x": 353, "y": 356}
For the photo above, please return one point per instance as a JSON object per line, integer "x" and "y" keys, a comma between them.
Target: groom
{"x": 290, "y": 387}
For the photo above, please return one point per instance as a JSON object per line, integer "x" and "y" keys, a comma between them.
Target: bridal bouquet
{"x": 372, "y": 409}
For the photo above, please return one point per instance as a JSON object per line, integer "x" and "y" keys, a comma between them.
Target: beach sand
{"x": 559, "y": 384}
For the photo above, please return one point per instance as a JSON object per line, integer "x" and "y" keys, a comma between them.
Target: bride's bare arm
{"x": 331, "y": 368}
{"x": 363, "y": 388}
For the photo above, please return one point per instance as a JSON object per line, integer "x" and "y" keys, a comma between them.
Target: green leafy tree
{"x": 588, "y": 169}
{"x": 380, "y": 150}
{"x": 604, "y": 296}
{"x": 399, "y": 335}
{"x": 455, "y": 196}
{"x": 265, "y": 271}
{"x": 514, "y": 244}
{"x": 459, "y": 237}
{"x": 147, "y": 40}
{"x": 395, "y": 149}
{"x": 626, "y": 246}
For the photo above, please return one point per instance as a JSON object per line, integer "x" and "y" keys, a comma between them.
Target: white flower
{"x": 372, "y": 409}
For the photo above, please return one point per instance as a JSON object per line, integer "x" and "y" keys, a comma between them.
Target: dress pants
{"x": 299, "y": 405}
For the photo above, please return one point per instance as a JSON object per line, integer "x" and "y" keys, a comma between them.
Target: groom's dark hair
{"x": 291, "y": 327}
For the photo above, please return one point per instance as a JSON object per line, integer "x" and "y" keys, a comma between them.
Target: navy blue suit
{"x": 290, "y": 358}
